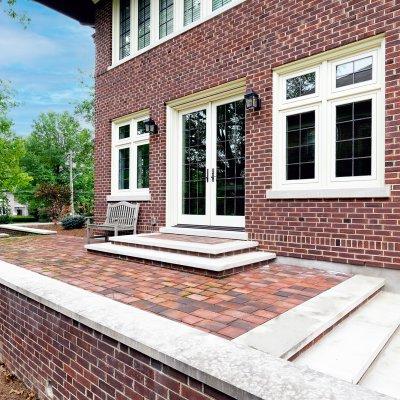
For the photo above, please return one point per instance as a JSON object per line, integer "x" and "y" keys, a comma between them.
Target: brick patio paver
{"x": 227, "y": 307}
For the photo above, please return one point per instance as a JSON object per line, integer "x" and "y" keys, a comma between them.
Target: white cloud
{"x": 23, "y": 46}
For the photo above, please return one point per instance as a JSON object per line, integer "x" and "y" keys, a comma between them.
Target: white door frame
{"x": 227, "y": 92}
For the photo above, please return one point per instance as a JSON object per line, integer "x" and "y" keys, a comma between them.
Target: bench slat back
{"x": 122, "y": 214}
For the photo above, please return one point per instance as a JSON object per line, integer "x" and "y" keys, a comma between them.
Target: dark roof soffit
{"x": 80, "y": 10}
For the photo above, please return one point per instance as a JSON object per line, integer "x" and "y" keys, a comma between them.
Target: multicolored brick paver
{"x": 227, "y": 307}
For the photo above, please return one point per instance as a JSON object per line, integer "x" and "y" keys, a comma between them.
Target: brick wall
{"x": 41, "y": 345}
{"x": 248, "y": 41}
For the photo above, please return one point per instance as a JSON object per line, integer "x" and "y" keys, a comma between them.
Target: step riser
{"x": 330, "y": 329}
{"x": 196, "y": 271}
{"x": 350, "y": 349}
{"x": 189, "y": 253}
{"x": 383, "y": 374}
{"x": 289, "y": 333}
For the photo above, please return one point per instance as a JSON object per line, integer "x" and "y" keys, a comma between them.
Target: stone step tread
{"x": 383, "y": 376}
{"x": 350, "y": 348}
{"x": 204, "y": 263}
{"x": 181, "y": 245}
{"x": 288, "y": 333}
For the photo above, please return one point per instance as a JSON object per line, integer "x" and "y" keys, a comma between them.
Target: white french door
{"x": 211, "y": 164}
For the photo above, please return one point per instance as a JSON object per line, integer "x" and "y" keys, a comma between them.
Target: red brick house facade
{"x": 248, "y": 41}
{"x": 325, "y": 188}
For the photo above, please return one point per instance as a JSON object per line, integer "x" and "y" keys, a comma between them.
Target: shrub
{"x": 73, "y": 222}
{"x": 23, "y": 218}
{"x": 55, "y": 198}
{"x": 5, "y": 219}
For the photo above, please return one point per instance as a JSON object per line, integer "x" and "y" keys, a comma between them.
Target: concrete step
{"x": 26, "y": 229}
{"x": 215, "y": 233}
{"x": 288, "y": 333}
{"x": 383, "y": 375}
{"x": 351, "y": 347}
{"x": 201, "y": 263}
{"x": 184, "y": 243}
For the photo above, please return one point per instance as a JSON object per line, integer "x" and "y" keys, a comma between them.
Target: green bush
{"x": 5, "y": 219}
{"x": 23, "y": 218}
{"x": 73, "y": 222}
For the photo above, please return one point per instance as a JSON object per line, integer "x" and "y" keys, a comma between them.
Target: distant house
{"x": 15, "y": 207}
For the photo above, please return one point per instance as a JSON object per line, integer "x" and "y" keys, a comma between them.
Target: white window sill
{"x": 347, "y": 193}
{"x": 130, "y": 197}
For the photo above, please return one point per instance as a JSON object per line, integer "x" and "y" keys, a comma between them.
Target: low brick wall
{"x": 40, "y": 345}
{"x": 69, "y": 343}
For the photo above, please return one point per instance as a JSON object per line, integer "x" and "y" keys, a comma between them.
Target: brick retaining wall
{"x": 92, "y": 347}
{"x": 41, "y": 345}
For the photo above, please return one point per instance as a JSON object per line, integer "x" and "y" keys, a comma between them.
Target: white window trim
{"x": 133, "y": 193}
{"x": 325, "y": 184}
{"x": 179, "y": 28}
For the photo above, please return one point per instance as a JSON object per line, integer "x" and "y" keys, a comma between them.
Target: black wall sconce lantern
{"x": 150, "y": 126}
{"x": 252, "y": 99}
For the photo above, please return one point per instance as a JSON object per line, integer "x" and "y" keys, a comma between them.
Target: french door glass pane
{"x": 191, "y": 11}
{"x": 354, "y": 139}
{"x": 123, "y": 176}
{"x": 219, "y": 3}
{"x": 300, "y": 86}
{"x": 231, "y": 159}
{"x": 124, "y": 28}
{"x": 194, "y": 163}
{"x": 143, "y": 166}
{"x": 143, "y": 23}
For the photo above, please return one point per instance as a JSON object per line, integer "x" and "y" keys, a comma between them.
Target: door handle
{"x": 207, "y": 175}
{"x": 212, "y": 175}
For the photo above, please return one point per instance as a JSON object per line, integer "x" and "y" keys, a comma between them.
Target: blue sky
{"x": 43, "y": 61}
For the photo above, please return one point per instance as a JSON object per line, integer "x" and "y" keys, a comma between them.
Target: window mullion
{"x": 133, "y": 166}
{"x": 206, "y": 10}
{"x": 178, "y": 15}
{"x": 154, "y": 21}
{"x": 325, "y": 139}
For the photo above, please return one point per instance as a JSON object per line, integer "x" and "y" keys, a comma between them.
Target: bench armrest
{"x": 88, "y": 220}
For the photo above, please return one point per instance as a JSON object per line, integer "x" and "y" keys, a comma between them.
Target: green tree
{"x": 54, "y": 137}
{"x": 10, "y": 8}
{"x": 12, "y": 149}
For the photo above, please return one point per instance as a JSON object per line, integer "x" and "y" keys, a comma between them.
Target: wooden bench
{"x": 120, "y": 217}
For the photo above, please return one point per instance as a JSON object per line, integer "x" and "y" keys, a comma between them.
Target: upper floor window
{"x": 144, "y": 15}
{"x": 166, "y": 17}
{"x": 329, "y": 121}
{"x": 191, "y": 11}
{"x": 124, "y": 29}
{"x": 142, "y": 24}
{"x": 219, "y": 3}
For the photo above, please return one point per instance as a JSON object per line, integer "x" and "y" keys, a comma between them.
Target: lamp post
{"x": 71, "y": 180}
